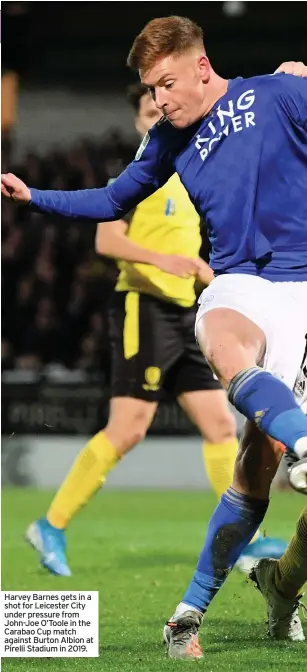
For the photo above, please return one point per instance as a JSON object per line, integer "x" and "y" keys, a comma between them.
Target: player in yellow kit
{"x": 281, "y": 583}
{"x": 154, "y": 352}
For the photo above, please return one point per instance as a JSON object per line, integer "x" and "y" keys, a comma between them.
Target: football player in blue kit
{"x": 240, "y": 149}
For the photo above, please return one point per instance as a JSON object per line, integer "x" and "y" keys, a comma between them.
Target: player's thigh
{"x": 231, "y": 323}
{"x": 257, "y": 462}
{"x": 129, "y": 420}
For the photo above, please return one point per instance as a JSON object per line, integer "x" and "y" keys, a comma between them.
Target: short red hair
{"x": 163, "y": 37}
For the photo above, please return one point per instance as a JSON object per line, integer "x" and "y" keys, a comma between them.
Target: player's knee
{"x": 136, "y": 433}
{"x": 131, "y": 439}
{"x": 125, "y": 435}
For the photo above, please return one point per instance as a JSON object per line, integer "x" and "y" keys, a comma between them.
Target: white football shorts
{"x": 280, "y": 310}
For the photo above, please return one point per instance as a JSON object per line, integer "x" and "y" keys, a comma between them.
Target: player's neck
{"x": 215, "y": 89}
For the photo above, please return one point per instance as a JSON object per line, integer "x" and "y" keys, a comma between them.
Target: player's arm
{"x": 109, "y": 203}
{"x": 151, "y": 169}
{"x": 112, "y": 241}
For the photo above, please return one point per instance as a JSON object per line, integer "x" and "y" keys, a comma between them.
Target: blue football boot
{"x": 50, "y": 543}
{"x": 263, "y": 547}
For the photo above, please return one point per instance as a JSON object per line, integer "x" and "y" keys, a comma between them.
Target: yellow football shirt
{"x": 165, "y": 222}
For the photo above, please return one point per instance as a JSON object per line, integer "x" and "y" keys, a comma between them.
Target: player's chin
{"x": 179, "y": 122}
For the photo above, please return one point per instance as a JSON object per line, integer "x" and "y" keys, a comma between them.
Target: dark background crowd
{"x": 55, "y": 288}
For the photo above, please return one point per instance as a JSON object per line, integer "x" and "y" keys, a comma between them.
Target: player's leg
{"x": 232, "y": 526}
{"x": 128, "y": 422}
{"x": 281, "y": 583}
{"x": 131, "y": 411}
{"x": 291, "y": 569}
{"x": 205, "y": 402}
{"x": 240, "y": 320}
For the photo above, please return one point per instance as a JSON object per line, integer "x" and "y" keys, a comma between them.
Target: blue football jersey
{"x": 244, "y": 166}
{"x": 245, "y": 170}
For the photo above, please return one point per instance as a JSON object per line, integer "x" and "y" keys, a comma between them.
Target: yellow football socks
{"x": 291, "y": 569}
{"x": 219, "y": 460}
{"x": 86, "y": 476}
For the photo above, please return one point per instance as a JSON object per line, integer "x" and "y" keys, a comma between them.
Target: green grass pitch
{"x": 139, "y": 550}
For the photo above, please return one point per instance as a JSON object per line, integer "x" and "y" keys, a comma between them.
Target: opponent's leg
{"x": 234, "y": 346}
{"x": 132, "y": 408}
{"x": 281, "y": 582}
{"x": 291, "y": 569}
{"x": 233, "y": 524}
{"x": 128, "y": 423}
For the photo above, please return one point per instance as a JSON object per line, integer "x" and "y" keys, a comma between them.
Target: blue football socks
{"x": 270, "y": 404}
{"x": 232, "y": 526}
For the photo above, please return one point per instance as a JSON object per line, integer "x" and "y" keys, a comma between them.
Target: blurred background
{"x": 66, "y": 125}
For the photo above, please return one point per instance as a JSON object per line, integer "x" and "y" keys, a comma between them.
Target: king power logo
{"x": 235, "y": 119}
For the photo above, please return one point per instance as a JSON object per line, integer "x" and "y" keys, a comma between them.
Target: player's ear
{"x": 204, "y": 68}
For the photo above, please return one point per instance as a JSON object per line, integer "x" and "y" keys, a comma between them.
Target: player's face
{"x": 177, "y": 85}
{"x": 148, "y": 114}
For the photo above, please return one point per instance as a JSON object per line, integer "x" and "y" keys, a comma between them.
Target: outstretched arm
{"x": 142, "y": 177}
{"x": 109, "y": 203}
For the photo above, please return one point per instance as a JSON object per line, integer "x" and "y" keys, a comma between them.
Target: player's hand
{"x": 204, "y": 273}
{"x": 15, "y": 189}
{"x": 293, "y": 68}
{"x": 178, "y": 265}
